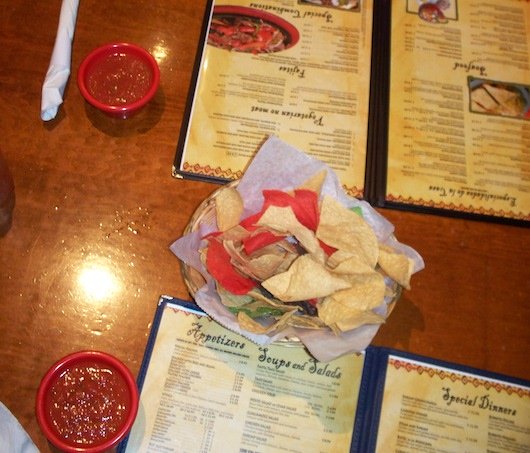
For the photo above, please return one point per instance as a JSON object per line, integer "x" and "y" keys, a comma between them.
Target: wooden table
{"x": 97, "y": 208}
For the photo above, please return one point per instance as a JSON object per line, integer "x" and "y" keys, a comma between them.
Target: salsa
{"x": 88, "y": 403}
{"x": 119, "y": 78}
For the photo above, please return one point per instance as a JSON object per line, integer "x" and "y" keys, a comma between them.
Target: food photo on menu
{"x": 436, "y": 11}
{"x": 499, "y": 98}
{"x": 242, "y": 29}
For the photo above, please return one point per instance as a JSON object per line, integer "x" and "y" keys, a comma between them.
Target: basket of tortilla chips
{"x": 284, "y": 253}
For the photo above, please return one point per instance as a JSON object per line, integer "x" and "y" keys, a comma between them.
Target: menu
{"x": 301, "y": 72}
{"x": 459, "y": 108}
{"x": 415, "y": 104}
{"x": 207, "y": 389}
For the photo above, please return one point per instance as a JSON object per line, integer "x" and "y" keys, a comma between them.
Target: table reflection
{"x": 97, "y": 281}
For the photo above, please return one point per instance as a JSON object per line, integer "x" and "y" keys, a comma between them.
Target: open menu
{"x": 415, "y": 104}
{"x": 207, "y": 389}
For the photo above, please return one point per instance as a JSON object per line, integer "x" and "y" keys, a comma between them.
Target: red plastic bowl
{"x": 119, "y": 79}
{"x": 96, "y": 381}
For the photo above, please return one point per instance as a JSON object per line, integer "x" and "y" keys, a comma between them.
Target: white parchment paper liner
{"x": 278, "y": 165}
{"x": 60, "y": 62}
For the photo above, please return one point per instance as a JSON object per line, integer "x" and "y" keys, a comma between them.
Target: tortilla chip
{"x": 251, "y": 325}
{"x": 283, "y": 220}
{"x": 396, "y": 265}
{"x": 303, "y": 202}
{"x": 228, "y": 208}
{"x": 357, "y": 319}
{"x": 218, "y": 264}
{"x": 315, "y": 182}
{"x": 342, "y": 262}
{"x": 258, "y": 239}
{"x": 305, "y": 279}
{"x": 258, "y": 295}
{"x": 261, "y": 309}
{"x": 345, "y": 230}
{"x": 237, "y": 233}
{"x": 265, "y": 266}
{"x": 230, "y": 299}
{"x": 366, "y": 292}
{"x": 306, "y": 322}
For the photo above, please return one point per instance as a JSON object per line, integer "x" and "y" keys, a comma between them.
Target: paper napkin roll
{"x": 60, "y": 62}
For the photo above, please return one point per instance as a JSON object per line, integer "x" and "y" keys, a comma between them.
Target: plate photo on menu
{"x": 250, "y": 30}
{"x": 499, "y": 98}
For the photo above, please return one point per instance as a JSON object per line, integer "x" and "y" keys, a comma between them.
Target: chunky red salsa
{"x": 119, "y": 78}
{"x": 88, "y": 403}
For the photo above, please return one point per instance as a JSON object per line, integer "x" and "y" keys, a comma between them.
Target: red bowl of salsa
{"x": 87, "y": 402}
{"x": 119, "y": 78}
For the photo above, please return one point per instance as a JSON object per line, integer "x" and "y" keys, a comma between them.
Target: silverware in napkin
{"x": 60, "y": 62}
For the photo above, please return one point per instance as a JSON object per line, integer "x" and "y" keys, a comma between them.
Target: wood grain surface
{"x": 97, "y": 208}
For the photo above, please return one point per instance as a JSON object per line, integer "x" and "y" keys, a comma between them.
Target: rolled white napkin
{"x": 60, "y": 62}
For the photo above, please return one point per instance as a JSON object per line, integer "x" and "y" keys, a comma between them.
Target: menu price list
{"x": 459, "y": 109}
{"x": 426, "y": 408}
{"x": 207, "y": 389}
{"x": 215, "y": 391}
{"x": 314, "y": 93}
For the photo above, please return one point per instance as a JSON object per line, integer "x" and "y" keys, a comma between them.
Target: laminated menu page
{"x": 296, "y": 69}
{"x": 207, "y": 389}
{"x": 459, "y": 107}
{"x": 416, "y": 104}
